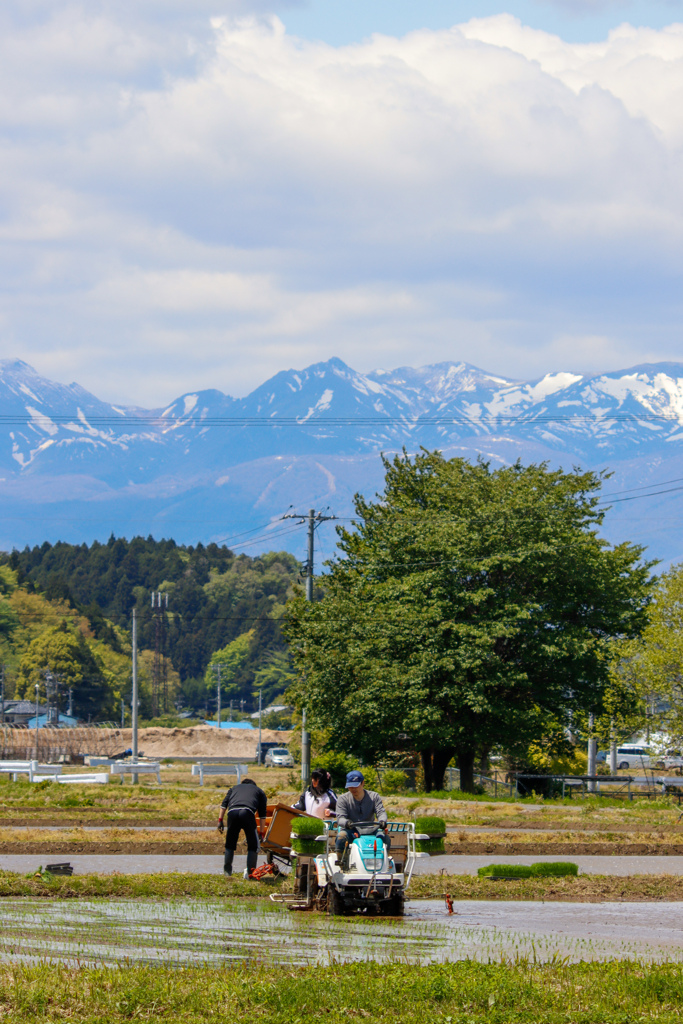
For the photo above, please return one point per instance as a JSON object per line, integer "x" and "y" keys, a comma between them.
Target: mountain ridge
{"x": 207, "y": 464}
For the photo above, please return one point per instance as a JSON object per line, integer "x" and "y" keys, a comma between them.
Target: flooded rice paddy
{"x": 186, "y": 932}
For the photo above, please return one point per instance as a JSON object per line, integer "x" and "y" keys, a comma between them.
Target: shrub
{"x": 338, "y": 765}
{"x": 434, "y": 827}
{"x": 394, "y": 781}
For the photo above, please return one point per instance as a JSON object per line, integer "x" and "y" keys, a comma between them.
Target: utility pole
{"x": 592, "y": 750}
{"x": 312, "y": 520}
{"x": 217, "y": 670}
{"x": 258, "y": 759}
{"x": 311, "y": 535}
{"x": 70, "y": 709}
{"x": 134, "y": 708}
{"x": 123, "y": 712}
{"x": 2, "y": 696}
{"x": 612, "y": 748}
{"x": 37, "y": 691}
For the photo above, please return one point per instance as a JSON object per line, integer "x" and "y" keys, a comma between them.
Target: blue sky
{"x": 199, "y": 193}
{"x": 340, "y": 22}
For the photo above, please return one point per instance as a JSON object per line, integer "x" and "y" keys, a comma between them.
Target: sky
{"x": 196, "y": 193}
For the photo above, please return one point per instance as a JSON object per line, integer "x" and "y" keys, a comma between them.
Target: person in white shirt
{"x": 319, "y": 799}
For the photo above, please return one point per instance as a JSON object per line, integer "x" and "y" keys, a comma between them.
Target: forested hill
{"x": 214, "y": 596}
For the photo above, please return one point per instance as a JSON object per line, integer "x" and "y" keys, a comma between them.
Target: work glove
{"x": 221, "y": 826}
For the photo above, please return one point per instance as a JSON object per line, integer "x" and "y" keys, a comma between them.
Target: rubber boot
{"x": 227, "y": 863}
{"x": 252, "y": 861}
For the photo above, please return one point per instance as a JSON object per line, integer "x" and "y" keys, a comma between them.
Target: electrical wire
{"x": 527, "y": 419}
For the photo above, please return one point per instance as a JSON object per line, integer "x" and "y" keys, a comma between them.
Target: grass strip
{"x": 581, "y": 889}
{"x": 461, "y": 993}
{"x": 542, "y": 869}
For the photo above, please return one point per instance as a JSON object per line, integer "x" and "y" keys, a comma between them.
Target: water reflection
{"x": 187, "y": 931}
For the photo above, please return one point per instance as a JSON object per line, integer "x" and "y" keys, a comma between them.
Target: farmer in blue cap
{"x": 357, "y": 804}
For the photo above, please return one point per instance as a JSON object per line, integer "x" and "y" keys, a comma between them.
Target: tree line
{"x": 215, "y": 598}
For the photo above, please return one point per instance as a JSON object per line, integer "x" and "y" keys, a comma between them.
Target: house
{"x": 17, "y": 712}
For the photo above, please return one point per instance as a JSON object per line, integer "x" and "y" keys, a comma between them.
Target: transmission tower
{"x": 159, "y": 670}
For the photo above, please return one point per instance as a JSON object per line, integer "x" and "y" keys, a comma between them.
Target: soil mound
{"x": 202, "y": 741}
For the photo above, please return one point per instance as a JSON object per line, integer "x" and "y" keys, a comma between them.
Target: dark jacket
{"x": 246, "y": 795}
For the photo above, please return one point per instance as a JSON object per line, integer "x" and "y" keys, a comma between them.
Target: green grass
{"x": 584, "y": 888}
{"x": 542, "y": 869}
{"x": 164, "y": 887}
{"x": 459, "y": 993}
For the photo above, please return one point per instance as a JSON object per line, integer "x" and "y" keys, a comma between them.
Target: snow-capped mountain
{"x": 210, "y": 466}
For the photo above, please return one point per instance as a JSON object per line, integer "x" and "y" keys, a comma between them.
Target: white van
{"x": 633, "y": 756}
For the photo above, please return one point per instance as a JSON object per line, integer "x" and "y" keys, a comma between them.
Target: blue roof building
{"x": 63, "y": 722}
{"x": 231, "y": 725}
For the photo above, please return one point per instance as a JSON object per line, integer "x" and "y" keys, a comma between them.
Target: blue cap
{"x": 354, "y": 779}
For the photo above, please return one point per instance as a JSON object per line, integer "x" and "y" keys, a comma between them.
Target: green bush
{"x": 541, "y": 869}
{"x": 339, "y": 765}
{"x": 431, "y": 826}
{"x": 394, "y": 781}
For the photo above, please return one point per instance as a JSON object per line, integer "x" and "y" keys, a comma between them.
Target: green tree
{"x": 650, "y": 669}
{"x": 231, "y": 659}
{"x": 68, "y": 656}
{"x": 275, "y": 676}
{"x": 469, "y": 608}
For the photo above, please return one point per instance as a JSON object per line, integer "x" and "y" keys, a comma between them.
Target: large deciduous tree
{"x": 651, "y": 667}
{"x": 468, "y": 607}
{"x": 68, "y": 656}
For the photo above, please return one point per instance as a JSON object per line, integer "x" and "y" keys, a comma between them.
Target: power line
{"x": 645, "y": 487}
{"x": 652, "y": 494}
{"x": 526, "y": 418}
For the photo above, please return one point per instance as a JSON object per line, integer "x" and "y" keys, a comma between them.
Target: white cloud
{"x": 231, "y": 199}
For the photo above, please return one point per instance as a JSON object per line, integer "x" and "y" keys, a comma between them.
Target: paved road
{"x": 589, "y": 864}
{"x": 152, "y": 863}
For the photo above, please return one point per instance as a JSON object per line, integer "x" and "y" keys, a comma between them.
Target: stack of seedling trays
{"x": 433, "y": 827}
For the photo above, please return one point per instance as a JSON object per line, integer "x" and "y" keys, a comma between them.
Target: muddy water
{"x": 187, "y": 931}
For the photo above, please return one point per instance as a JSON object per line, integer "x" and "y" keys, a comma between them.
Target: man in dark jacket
{"x": 243, "y": 802}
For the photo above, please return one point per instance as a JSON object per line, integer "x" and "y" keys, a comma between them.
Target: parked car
{"x": 633, "y": 756}
{"x": 278, "y": 757}
{"x": 671, "y": 759}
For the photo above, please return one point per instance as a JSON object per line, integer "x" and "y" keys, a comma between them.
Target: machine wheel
{"x": 622, "y": 764}
{"x": 335, "y": 903}
{"x": 395, "y": 907}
